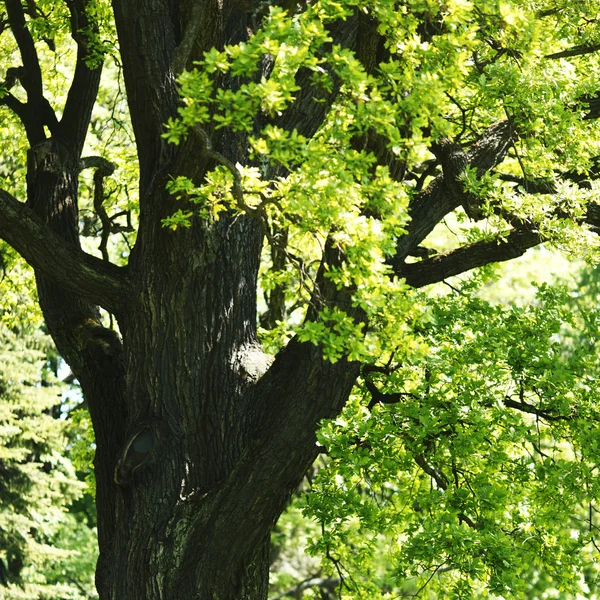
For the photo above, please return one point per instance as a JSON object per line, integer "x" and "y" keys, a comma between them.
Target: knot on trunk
{"x": 51, "y": 156}
{"x": 251, "y": 362}
{"x": 94, "y": 334}
{"x": 140, "y": 450}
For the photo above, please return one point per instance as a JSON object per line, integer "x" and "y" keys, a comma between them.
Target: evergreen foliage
{"x": 47, "y": 549}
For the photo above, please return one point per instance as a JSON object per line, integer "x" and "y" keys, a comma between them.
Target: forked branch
{"x": 441, "y": 197}
{"x": 37, "y": 113}
{"x": 78, "y": 272}
{"x": 479, "y": 254}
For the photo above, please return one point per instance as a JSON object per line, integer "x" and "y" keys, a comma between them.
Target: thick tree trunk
{"x": 198, "y": 450}
{"x": 182, "y": 385}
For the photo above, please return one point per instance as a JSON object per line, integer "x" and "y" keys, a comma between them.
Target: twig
{"x": 418, "y": 592}
{"x": 104, "y": 168}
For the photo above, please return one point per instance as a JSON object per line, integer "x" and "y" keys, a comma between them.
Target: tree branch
{"x": 575, "y": 51}
{"x": 104, "y": 168}
{"x": 15, "y": 105}
{"x": 533, "y": 410}
{"x": 151, "y": 88}
{"x": 478, "y": 254}
{"x": 32, "y": 78}
{"x": 379, "y": 397}
{"x": 86, "y": 80}
{"x": 323, "y": 583}
{"x": 429, "y": 207}
{"x": 297, "y": 392}
{"x": 468, "y": 257}
{"x": 531, "y": 186}
{"x": 439, "y": 478}
{"x": 37, "y": 112}
{"x": 183, "y": 52}
{"x": 47, "y": 252}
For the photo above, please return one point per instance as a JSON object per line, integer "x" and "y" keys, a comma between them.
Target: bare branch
{"x": 439, "y": 478}
{"x": 323, "y": 583}
{"x": 48, "y": 253}
{"x": 531, "y": 186}
{"x": 379, "y": 397}
{"x": 522, "y": 237}
{"x": 104, "y": 168}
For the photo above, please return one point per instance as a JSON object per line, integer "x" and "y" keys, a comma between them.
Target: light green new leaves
{"x": 458, "y": 476}
{"x": 453, "y": 68}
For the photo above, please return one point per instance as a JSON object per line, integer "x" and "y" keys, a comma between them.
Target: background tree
{"x": 341, "y": 134}
{"x": 47, "y": 544}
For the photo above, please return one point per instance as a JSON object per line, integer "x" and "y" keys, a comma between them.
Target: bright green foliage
{"x": 454, "y": 68}
{"x": 452, "y": 481}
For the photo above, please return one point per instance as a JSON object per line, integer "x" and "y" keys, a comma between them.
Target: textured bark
{"x": 227, "y": 447}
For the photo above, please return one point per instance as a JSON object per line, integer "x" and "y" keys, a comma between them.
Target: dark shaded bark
{"x": 469, "y": 257}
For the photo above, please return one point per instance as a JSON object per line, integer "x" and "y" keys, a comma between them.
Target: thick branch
{"x": 593, "y": 103}
{"x": 15, "y": 105}
{"x": 76, "y": 271}
{"x": 575, "y": 51}
{"x": 151, "y": 87}
{"x": 533, "y": 410}
{"x": 32, "y": 77}
{"x": 478, "y": 254}
{"x": 312, "y": 103}
{"x": 86, "y": 80}
{"x": 429, "y": 207}
{"x": 468, "y": 257}
{"x": 299, "y": 390}
{"x": 183, "y": 52}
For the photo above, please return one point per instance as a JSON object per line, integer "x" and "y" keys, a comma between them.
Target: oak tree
{"x": 294, "y": 161}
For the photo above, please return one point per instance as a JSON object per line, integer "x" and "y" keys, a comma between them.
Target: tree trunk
{"x": 199, "y": 442}
{"x": 197, "y": 451}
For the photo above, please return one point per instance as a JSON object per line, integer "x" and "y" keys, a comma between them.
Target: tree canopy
{"x": 291, "y": 216}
